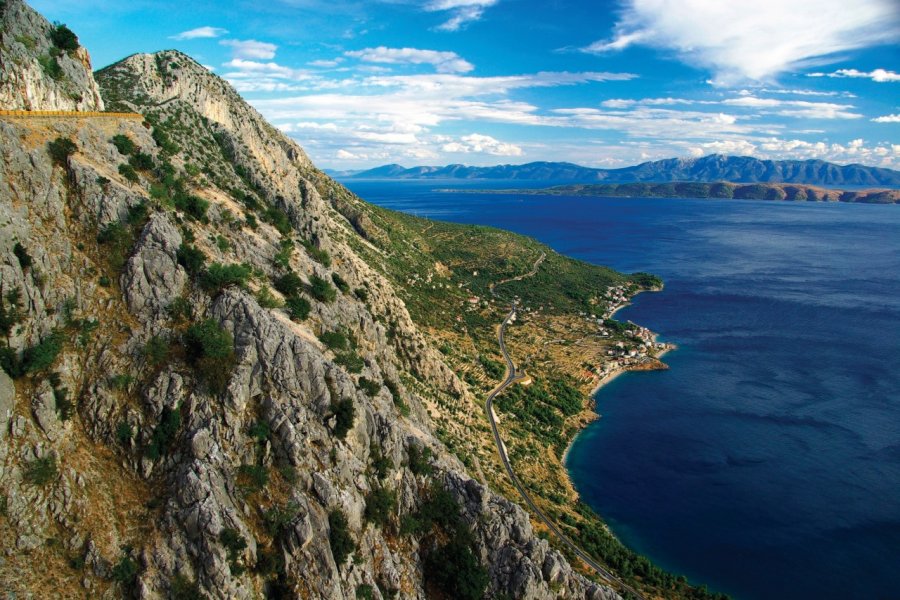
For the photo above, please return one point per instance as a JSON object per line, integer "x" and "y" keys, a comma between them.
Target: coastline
{"x": 655, "y": 364}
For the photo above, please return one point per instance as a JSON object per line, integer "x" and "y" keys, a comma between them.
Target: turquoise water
{"x": 766, "y": 461}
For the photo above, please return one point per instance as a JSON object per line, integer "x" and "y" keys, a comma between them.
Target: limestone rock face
{"x": 153, "y": 279}
{"x": 34, "y": 75}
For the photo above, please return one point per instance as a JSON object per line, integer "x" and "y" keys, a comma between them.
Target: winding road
{"x": 513, "y": 376}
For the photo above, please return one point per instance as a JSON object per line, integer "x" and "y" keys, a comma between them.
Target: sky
{"x": 482, "y": 82}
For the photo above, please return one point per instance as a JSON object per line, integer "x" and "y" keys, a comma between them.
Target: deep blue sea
{"x": 766, "y": 462}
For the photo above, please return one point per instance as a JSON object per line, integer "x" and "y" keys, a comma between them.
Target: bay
{"x": 766, "y": 461}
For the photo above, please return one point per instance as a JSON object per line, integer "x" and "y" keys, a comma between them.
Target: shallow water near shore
{"x": 766, "y": 461}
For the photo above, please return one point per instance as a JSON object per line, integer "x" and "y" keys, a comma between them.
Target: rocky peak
{"x": 41, "y": 67}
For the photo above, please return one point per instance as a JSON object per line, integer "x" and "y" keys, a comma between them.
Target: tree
{"x": 60, "y": 150}
{"x": 63, "y": 38}
{"x": 339, "y": 539}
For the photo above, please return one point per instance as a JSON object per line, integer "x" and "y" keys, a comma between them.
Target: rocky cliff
{"x": 42, "y": 66}
{"x": 206, "y": 391}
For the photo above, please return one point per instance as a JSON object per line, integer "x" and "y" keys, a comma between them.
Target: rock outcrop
{"x": 35, "y": 73}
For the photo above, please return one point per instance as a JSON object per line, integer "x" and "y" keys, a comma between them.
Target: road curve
{"x": 512, "y": 376}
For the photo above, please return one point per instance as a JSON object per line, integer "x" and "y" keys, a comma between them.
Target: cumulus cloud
{"x": 443, "y": 62}
{"x": 878, "y": 75}
{"x": 855, "y": 151}
{"x": 887, "y": 119}
{"x": 463, "y": 12}
{"x": 483, "y": 144}
{"x": 741, "y": 40}
{"x": 251, "y": 49}
{"x": 200, "y": 32}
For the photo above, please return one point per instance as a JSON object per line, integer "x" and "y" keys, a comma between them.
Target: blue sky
{"x": 483, "y": 82}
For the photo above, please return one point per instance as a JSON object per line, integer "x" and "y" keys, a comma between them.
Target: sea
{"x": 765, "y": 463}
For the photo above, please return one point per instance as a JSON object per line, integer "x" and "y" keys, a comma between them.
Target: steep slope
{"x": 178, "y": 426}
{"x": 42, "y": 68}
{"x": 712, "y": 168}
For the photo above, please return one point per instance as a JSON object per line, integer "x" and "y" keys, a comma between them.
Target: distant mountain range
{"x": 715, "y": 167}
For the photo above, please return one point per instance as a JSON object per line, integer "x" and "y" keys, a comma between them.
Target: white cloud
{"x": 326, "y": 63}
{"x": 200, "y": 32}
{"x": 251, "y": 49}
{"x": 443, "y": 62}
{"x": 887, "y": 119}
{"x": 245, "y": 69}
{"x": 878, "y": 75}
{"x": 464, "y": 12}
{"x": 796, "y": 108}
{"x": 855, "y": 151}
{"x": 740, "y": 40}
{"x": 483, "y": 144}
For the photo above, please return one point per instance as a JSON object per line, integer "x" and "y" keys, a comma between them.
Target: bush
{"x": 164, "y": 433}
{"x": 210, "y": 349}
{"x": 335, "y": 340}
{"x": 380, "y": 503}
{"x": 194, "y": 206}
{"x": 339, "y": 539}
{"x": 365, "y": 592}
{"x": 123, "y": 144}
{"x": 345, "y": 414}
{"x": 50, "y": 66}
{"x": 125, "y": 571}
{"x": 10, "y": 309}
{"x": 219, "y": 276}
{"x": 128, "y": 172}
{"x": 278, "y": 219}
{"x": 266, "y": 299}
{"x": 350, "y": 361}
{"x": 61, "y": 149}
{"x": 10, "y": 362}
{"x": 278, "y": 517}
{"x": 156, "y": 351}
{"x": 371, "y": 388}
{"x": 298, "y": 308}
{"x": 234, "y": 544}
{"x": 289, "y": 284}
{"x": 362, "y": 294}
{"x": 119, "y": 239}
{"x": 321, "y": 290}
{"x": 191, "y": 258}
{"x": 40, "y": 471}
{"x": 141, "y": 161}
{"x": 22, "y": 255}
{"x": 253, "y": 478}
{"x": 317, "y": 254}
{"x": 124, "y": 433}
{"x": 454, "y": 569}
{"x": 182, "y": 588}
{"x": 420, "y": 460}
{"x": 63, "y": 38}
{"x": 340, "y": 283}
{"x": 42, "y": 356}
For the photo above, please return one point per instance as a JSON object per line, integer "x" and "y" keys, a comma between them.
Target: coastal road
{"x": 513, "y": 376}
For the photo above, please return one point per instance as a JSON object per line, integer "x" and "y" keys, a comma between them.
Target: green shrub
{"x": 289, "y": 285}
{"x": 40, "y": 471}
{"x": 455, "y": 570}
{"x": 278, "y": 219}
{"x": 380, "y": 503}
{"x": 22, "y": 255}
{"x": 61, "y": 149}
{"x": 210, "y": 349}
{"x": 371, "y": 388}
{"x": 10, "y": 362}
{"x": 119, "y": 239}
{"x": 253, "y": 478}
{"x": 381, "y": 464}
{"x": 123, "y": 144}
{"x": 222, "y": 243}
{"x": 365, "y": 592}
{"x": 420, "y": 460}
{"x": 50, "y": 66}
{"x": 128, "y": 172}
{"x": 180, "y": 309}
{"x": 219, "y": 276}
{"x": 344, "y": 413}
{"x": 141, "y": 161}
{"x": 317, "y": 254}
{"x": 362, "y": 294}
{"x": 298, "y": 308}
{"x": 124, "y": 433}
{"x": 339, "y": 539}
{"x": 351, "y": 361}
{"x": 164, "y": 433}
{"x": 156, "y": 351}
{"x": 125, "y": 571}
{"x": 182, "y": 588}
{"x": 260, "y": 431}
{"x": 11, "y": 308}
{"x": 340, "y": 283}
{"x": 334, "y": 340}
{"x": 278, "y": 518}
{"x": 194, "y": 206}
{"x": 234, "y": 544}
{"x": 321, "y": 290}
{"x": 64, "y": 405}
{"x": 191, "y": 258}
{"x": 63, "y": 38}
{"x": 266, "y": 299}
{"x": 42, "y": 356}
{"x": 282, "y": 258}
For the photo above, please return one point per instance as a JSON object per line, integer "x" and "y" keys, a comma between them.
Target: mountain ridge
{"x": 707, "y": 169}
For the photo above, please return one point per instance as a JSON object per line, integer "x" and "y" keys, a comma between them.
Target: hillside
{"x": 712, "y": 168}
{"x": 226, "y": 376}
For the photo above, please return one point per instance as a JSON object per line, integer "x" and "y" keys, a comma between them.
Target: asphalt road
{"x": 512, "y": 376}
